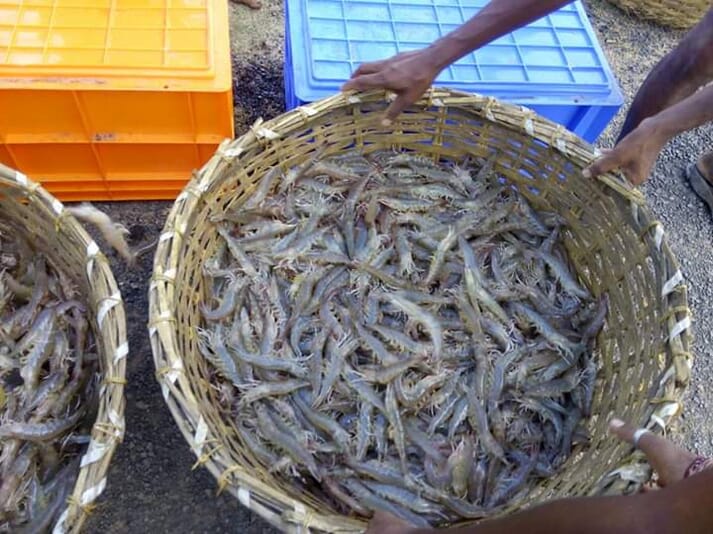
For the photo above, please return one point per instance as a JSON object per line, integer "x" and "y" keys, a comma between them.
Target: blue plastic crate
{"x": 554, "y": 66}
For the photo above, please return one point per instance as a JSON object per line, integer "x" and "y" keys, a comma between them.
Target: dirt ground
{"x": 151, "y": 485}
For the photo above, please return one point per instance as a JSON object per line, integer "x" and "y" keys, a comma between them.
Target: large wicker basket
{"x": 37, "y": 215}
{"x": 616, "y": 247}
{"x": 679, "y": 14}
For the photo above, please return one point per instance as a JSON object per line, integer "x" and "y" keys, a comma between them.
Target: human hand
{"x": 668, "y": 459}
{"x": 408, "y": 74}
{"x": 635, "y": 155}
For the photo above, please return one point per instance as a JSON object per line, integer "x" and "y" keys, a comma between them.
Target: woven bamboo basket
{"x": 37, "y": 215}
{"x": 679, "y": 14}
{"x": 615, "y": 244}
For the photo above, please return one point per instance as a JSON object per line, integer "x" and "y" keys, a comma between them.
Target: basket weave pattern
{"x": 615, "y": 245}
{"x": 38, "y": 216}
{"x": 679, "y": 14}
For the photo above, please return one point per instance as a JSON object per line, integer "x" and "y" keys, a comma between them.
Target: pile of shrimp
{"x": 48, "y": 365}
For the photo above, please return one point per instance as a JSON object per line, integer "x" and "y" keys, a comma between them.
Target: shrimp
{"x": 114, "y": 233}
{"x": 253, "y": 392}
{"x": 430, "y": 322}
{"x": 460, "y": 463}
{"x": 285, "y": 441}
{"x": 394, "y": 417}
{"x": 40, "y": 431}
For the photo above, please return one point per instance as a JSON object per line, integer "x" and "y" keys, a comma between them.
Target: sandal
{"x": 700, "y": 185}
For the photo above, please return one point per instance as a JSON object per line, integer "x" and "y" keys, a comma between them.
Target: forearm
{"x": 694, "y": 111}
{"x": 496, "y": 19}
{"x": 613, "y": 515}
{"x": 686, "y": 506}
{"x": 678, "y": 75}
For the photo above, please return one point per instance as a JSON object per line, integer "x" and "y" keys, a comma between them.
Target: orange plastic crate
{"x": 113, "y": 99}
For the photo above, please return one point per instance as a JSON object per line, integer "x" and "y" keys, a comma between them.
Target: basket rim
{"x": 665, "y": 13}
{"x": 108, "y": 428}
{"x": 177, "y": 389}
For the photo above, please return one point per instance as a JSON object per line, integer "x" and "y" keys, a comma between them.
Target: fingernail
{"x": 616, "y": 423}
{"x": 586, "y": 173}
{"x": 386, "y": 122}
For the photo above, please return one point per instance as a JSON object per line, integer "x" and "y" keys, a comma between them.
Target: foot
{"x": 700, "y": 176}
{"x": 704, "y": 166}
{"x": 669, "y": 460}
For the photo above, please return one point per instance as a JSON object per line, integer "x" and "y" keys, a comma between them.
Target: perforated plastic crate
{"x": 113, "y": 99}
{"x": 554, "y": 66}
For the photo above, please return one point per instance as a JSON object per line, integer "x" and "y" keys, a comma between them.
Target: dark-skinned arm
{"x": 694, "y": 111}
{"x": 498, "y": 18}
{"x": 683, "y": 507}
{"x": 636, "y": 154}
{"x": 686, "y": 506}
{"x": 677, "y": 76}
{"x": 410, "y": 74}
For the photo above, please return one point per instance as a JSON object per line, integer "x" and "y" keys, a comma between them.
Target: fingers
{"x": 635, "y": 170}
{"x": 365, "y": 82}
{"x": 650, "y": 444}
{"x": 365, "y": 69}
{"x": 636, "y": 173}
{"x": 626, "y": 432}
{"x": 369, "y": 68}
{"x": 401, "y": 102}
{"x": 668, "y": 459}
{"x": 606, "y": 163}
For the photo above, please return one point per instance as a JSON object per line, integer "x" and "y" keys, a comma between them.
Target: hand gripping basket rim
{"x": 109, "y": 326}
{"x": 678, "y": 14}
{"x": 273, "y": 505}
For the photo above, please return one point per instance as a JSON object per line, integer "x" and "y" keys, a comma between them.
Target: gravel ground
{"x": 151, "y": 486}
